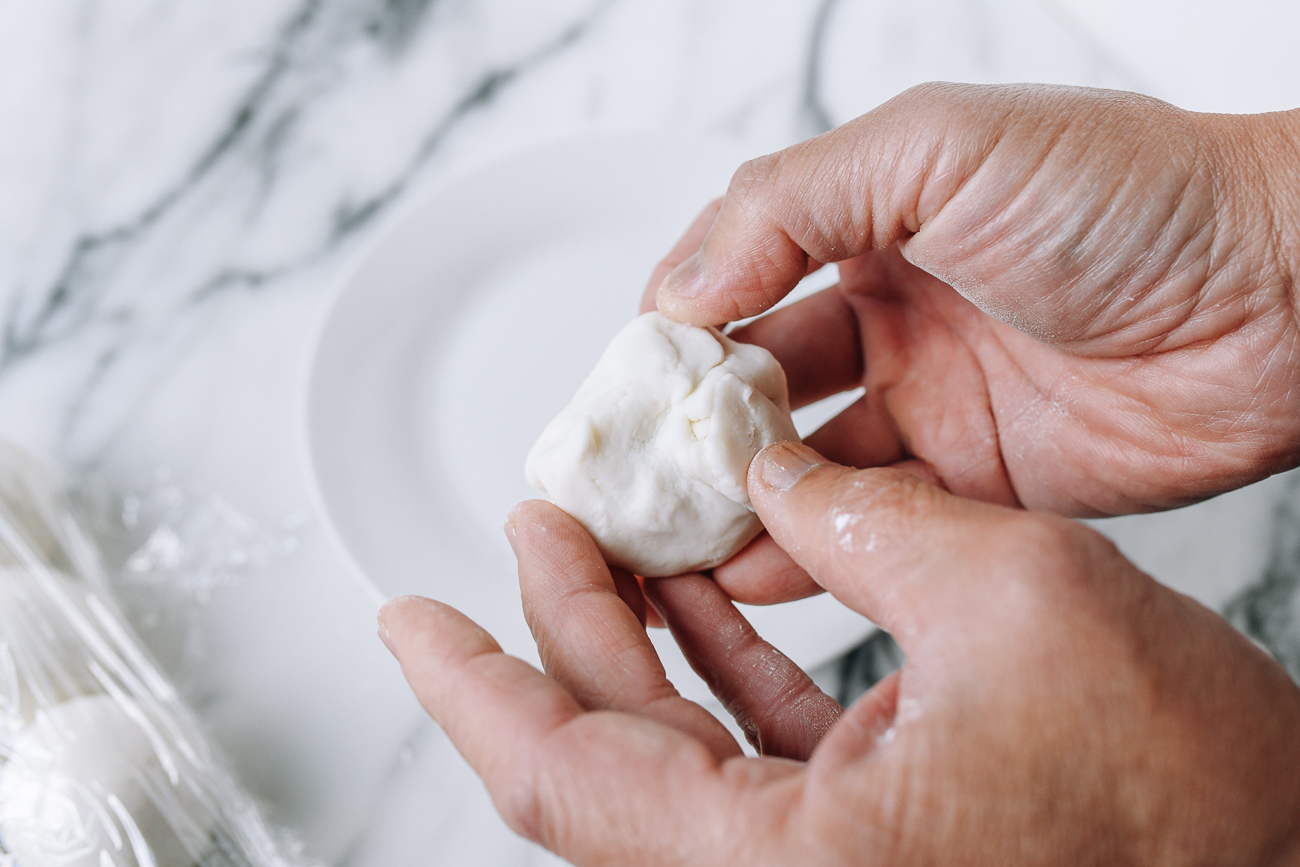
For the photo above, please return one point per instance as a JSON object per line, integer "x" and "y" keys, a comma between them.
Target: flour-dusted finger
{"x": 590, "y": 641}
{"x": 817, "y": 343}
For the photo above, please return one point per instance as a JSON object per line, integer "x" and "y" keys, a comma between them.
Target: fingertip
{"x": 550, "y": 539}
{"x": 683, "y": 295}
{"x": 698, "y": 292}
{"x": 393, "y": 610}
{"x": 785, "y": 491}
{"x": 885, "y": 541}
{"x": 731, "y": 276}
{"x": 717, "y": 305}
{"x": 528, "y": 509}
{"x": 519, "y": 515}
{"x": 691, "y": 313}
{"x": 538, "y": 525}
{"x": 397, "y": 615}
{"x": 778, "y": 467}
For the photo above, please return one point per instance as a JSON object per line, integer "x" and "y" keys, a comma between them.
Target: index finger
{"x": 595, "y": 787}
{"x": 861, "y": 186}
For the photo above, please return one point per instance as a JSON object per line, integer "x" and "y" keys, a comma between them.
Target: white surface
{"x": 1238, "y": 57}
{"x": 181, "y": 186}
{"x": 453, "y": 344}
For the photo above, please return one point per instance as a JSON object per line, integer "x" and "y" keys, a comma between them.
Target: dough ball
{"x": 84, "y": 787}
{"x": 651, "y": 453}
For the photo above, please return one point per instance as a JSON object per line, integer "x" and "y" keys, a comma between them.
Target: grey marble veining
{"x": 1268, "y": 608}
{"x": 266, "y": 193}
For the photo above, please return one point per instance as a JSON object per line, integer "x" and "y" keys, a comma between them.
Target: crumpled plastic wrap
{"x": 101, "y": 765}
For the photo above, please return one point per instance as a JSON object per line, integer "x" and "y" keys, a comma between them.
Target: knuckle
{"x": 893, "y": 499}
{"x": 789, "y": 705}
{"x": 756, "y": 251}
{"x": 927, "y": 91}
{"x": 1052, "y": 554}
{"x": 935, "y": 95}
{"x": 781, "y": 189}
{"x": 518, "y": 801}
{"x": 767, "y": 190}
{"x": 753, "y": 179}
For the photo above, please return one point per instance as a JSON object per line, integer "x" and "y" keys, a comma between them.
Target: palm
{"x": 1004, "y": 417}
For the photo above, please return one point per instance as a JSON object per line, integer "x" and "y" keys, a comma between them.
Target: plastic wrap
{"x": 100, "y": 763}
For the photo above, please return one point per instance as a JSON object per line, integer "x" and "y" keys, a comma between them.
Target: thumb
{"x": 1039, "y": 204}
{"x": 859, "y": 187}
{"x": 902, "y": 552}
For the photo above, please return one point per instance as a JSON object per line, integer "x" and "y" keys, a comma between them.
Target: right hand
{"x": 1057, "y": 706}
{"x": 1062, "y": 299}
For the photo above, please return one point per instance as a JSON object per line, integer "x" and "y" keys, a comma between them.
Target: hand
{"x": 1069, "y": 300}
{"x": 1057, "y": 706}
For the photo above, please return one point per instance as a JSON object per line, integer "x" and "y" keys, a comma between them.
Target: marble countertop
{"x": 181, "y": 184}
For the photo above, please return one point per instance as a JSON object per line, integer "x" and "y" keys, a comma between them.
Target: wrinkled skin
{"x": 1069, "y": 301}
{"x": 1081, "y": 301}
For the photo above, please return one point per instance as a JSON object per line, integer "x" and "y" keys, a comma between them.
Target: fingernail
{"x": 686, "y": 280}
{"x": 780, "y": 465}
{"x": 383, "y": 636}
{"x": 510, "y": 534}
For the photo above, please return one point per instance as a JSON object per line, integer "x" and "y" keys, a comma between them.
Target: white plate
{"x": 459, "y": 337}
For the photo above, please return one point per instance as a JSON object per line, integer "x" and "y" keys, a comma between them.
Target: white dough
{"x": 651, "y": 453}
{"x": 83, "y": 788}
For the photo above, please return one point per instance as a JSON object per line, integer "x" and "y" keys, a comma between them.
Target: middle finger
{"x": 589, "y": 640}
{"x": 781, "y": 710}
{"x": 817, "y": 342}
